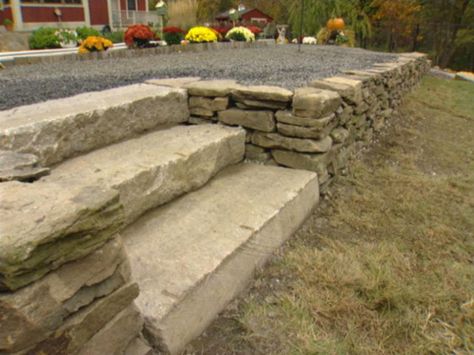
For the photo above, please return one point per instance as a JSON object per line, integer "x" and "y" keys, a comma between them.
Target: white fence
{"x": 122, "y": 19}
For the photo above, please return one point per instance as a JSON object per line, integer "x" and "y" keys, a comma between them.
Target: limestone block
{"x": 305, "y": 132}
{"x": 208, "y": 104}
{"x": 83, "y": 325}
{"x": 311, "y": 102}
{"x": 288, "y": 118}
{"x": 201, "y": 120}
{"x": 275, "y": 140}
{"x": 362, "y": 108}
{"x": 58, "y": 129}
{"x": 211, "y": 88}
{"x": 254, "y": 153}
{"x": 45, "y": 225}
{"x": 138, "y": 346}
{"x": 346, "y": 114}
{"x": 20, "y": 167}
{"x": 201, "y": 112}
{"x": 312, "y": 162}
{"x": 116, "y": 335}
{"x": 30, "y": 314}
{"x": 349, "y": 89}
{"x": 258, "y": 120}
{"x": 262, "y": 93}
{"x": 339, "y": 135}
{"x": 247, "y": 104}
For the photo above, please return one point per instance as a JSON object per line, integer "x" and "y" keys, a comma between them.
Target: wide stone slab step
{"x": 87, "y": 199}
{"x": 194, "y": 255}
{"x": 58, "y": 129}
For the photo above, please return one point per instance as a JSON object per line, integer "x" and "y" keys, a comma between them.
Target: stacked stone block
{"x": 315, "y": 128}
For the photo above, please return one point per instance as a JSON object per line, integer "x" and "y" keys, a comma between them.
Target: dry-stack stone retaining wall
{"x": 315, "y": 128}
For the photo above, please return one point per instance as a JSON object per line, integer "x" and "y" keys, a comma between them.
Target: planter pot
{"x": 9, "y": 27}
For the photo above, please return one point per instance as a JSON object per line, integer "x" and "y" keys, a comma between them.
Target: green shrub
{"x": 43, "y": 38}
{"x": 115, "y": 37}
{"x": 84, "y": 32}
{"x": 173, "y": 37}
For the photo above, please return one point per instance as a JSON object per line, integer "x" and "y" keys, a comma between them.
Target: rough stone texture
{"x": 340, "y": 135}
{"x": 211, "y": 88}
{"x": 201, "y": 120}
{"x": 262, "y": 93}
{"x": 45, "y": 225}
{"x": 20, "y": 167}
{"x": 259, "y": 120}
{"x": 138, "y": 346}
{"x": 59, "y": 294}
{"x": 254, "y": 153}
{"x": 62, "y": 128}
{"x": 116, "y": 335}
{"x": 157, "y": 167}
{"x": 305, "y": 132}
{"x": 173, "y": 82}
{"x": 349, "y": 89}
{"x": 201, "y": 112}
{"x": 253, "y": 104}
{"x": 83, "y": 325}
{"x": 71, "y": 214}
{"x": 311, "y": 102}
{"x": 274, "y": 140}
{"x": 312, "y": 162}
{"x": 208, "y": 104}
{"x": 189, "y": 271}
{"x": 288, "y": 118}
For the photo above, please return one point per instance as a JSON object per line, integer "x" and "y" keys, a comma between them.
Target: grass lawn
{"x": 386, "y": 264}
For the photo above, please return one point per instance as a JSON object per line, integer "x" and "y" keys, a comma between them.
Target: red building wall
{"x": 46, "y": 14}
{"x": 255, "y": 13}
{"x": 99, "y": 12}
{"x": 6, "y": 14}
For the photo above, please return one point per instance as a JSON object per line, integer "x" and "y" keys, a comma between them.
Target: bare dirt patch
{"x": 385, "y": 265}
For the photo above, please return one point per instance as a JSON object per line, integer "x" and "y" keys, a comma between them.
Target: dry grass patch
{"x": 386, "y": 265}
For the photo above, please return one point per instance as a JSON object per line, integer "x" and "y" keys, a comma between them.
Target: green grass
{"x": 386, "y": 265}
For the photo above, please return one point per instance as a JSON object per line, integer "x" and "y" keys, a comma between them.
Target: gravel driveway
{"x": 280, "y": 65}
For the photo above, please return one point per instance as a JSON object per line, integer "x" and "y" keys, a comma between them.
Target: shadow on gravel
{"x": 385, "y": 265}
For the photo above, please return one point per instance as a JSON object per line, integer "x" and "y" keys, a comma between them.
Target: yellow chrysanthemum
{"x": 201, "y": 34}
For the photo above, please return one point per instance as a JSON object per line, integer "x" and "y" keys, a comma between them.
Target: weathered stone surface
{"x": 199, "y": 111}
{"x": 201, "y": 120}
{"x": 253, "y": 104}
{"x": 208, "y": 104}
{"x": 259, "y": 120}
{"x": 188, "y": 271}
{"x": 71, "y": 214}
{"x": 116, "y": 335}
{"x": 275, "y": 140}
{"x": 82, "y": 326}
{"x": 349, "y": 89}
{"x": 20, "y": 167}
{"x": 157, "y": 167}
{"x": 45, "y": 225}
{"x": 173, "y": 82}
{"x": 262, "y": 93}
{"x": 339, "y": 135}
{"x": 30, "y": 314}
{"x": 211, "y": 88}
{"x": 345, "y": 115}
{"x": 254, "y": 153}
{"x": 58, "y": 129}
{"x": 306, "y": 132}
{"x": 361, "y": 108}
{"x": 138, "y": 346}
{"x": 312, "y": 102}
{"x": 465, "y": 76}
{"x": 313, "y": 162}
{"x": 288, "y": 118}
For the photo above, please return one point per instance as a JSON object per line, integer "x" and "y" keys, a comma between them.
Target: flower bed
{"x": 95, "y": 44}
{"x": 139, "y": 36}
{"x": 240, "y": 34}
{"x": 201, "y": 34}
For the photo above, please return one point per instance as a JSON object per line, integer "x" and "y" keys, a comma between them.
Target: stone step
{"x": 58, "y": 129}
{"x": 194, "y": 255}
{"x": 87, "y": 199}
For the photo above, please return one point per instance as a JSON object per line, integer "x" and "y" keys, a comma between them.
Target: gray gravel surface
{"x": 280, "y": 65}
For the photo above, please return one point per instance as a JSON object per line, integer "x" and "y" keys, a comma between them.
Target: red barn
{"x": 247, "y": 17}
{"x": 30, "y": 14}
